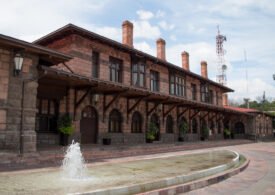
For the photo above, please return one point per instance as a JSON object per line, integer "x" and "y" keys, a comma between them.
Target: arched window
{"x": 115, "y": 120}
{"x": 194, "y": 126}
{"x": 169, "y": 124}
{"x": 136, "y": 123}
{"x": 239, "y": 128}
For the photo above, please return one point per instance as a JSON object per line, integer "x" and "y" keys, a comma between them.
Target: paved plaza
{"x": 257, "y": 178}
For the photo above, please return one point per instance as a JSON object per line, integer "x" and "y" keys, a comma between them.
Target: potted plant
{"x": 183, "y": 128}
{"x": 65, "y": 127}
{"x": 205, "y": 133}
{"x": 151, "y": 133}
{"x": 106, "y": 140}
{"x": 226, "y": 133}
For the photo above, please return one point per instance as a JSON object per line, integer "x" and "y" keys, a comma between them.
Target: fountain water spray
{"x": 73, "y": 165}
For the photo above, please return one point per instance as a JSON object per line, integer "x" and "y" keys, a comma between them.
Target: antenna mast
{"x": 221, "y": 77}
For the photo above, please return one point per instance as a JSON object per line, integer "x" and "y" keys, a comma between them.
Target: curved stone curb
{"x": 199, "y": 183}
{"x": 167, "y": 183}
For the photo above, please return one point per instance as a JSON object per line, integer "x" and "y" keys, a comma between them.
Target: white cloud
{"x": 256, "y": 87}
{"x": 197, "y": 52}
{"x": 145, "y": 15}
{"x": 165, "y": 26}
{"x": 145, "y": 47}
{"x": 29, "y": 19}
{"x": 160, "y": 14}
{"x": 143, "y": 29}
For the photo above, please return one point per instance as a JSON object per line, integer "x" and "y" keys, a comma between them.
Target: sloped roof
{"x": 45, "y": 53}
{"x": 73, "y": 29}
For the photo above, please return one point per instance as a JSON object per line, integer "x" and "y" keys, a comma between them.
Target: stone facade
{"x": 13, "y": 119}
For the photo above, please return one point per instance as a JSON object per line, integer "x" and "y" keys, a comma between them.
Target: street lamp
{"x": 273, "y": 76}
{"x": 18, "y": 62}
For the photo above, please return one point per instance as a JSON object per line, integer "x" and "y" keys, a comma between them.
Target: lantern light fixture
{"x": 18, "y": 63}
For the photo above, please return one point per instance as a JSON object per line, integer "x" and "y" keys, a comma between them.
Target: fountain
{"x": 118, "y": 178}
{"x": 73, "y": 165}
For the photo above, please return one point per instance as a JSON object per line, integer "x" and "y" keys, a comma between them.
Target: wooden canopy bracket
{"x": 130, "y": 109}
{"x": 195, "y": 114}
{"x": 168, "y": 111}
{"x": 115, "y": 97}
{"x": 213, "y": 116}
{"x": 179, "y": 114}
{"x": 204, "y": 116}
{"x": 154, "y": 107}
{"x": 219, "y": 118}
{"x": 83, "y": 97}
{"x": 64, "y": 64}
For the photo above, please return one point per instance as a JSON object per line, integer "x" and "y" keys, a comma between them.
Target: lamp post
{"x": 273, "y": 76}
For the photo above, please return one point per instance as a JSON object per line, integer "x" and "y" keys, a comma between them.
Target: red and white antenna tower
{"x": 221, "y": 77}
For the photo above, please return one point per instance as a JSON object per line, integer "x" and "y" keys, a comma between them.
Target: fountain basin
{"x": 122, "y": 178}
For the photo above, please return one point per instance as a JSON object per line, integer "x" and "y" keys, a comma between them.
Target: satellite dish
{"x": 224, "y": 67}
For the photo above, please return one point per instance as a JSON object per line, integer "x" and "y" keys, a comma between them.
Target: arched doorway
{"x": 239, "y": 128}
{"x": 89, "y": 125}
{"x": 155, "y": 119}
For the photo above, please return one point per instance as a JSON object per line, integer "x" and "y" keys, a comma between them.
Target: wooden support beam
{"x": 75, "y": 100}
{"x": 68, "y": 67}
{"x": 179, "y": 114}
{"x": 148, "y": 112}
{"x": 129, "y": 110}
{"x": 203, "y": 117}
{"x": 168, "y": 111}
{"x": 195, "y": 114}
{"x": 221, "y": 117}
{"x": 115, "y": 97}
{"x": 213, "y": 116}
{"x": 83, "y": 97}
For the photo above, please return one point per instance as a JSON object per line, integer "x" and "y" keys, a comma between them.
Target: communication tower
{"x": 221, "y": 77}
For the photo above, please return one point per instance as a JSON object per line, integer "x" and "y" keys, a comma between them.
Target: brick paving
{"x": 258, "y": 178}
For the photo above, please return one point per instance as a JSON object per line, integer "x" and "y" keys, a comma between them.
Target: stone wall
{"x": 10, "y": 103}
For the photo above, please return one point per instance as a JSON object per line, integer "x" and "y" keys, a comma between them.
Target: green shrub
{"x": 227, "y": 132}
{"x": 65, "y": 124}
{"x": 152, "y": 131}
{"x": 183, "y": 128}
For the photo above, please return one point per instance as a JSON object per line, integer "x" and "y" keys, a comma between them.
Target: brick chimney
{"x": 185, "y": 60}
{"x": 161, "y": 49}
{"x": 127, "y": 33}
{"x": 204, "y": 69}
{"x": 224, "y": 99}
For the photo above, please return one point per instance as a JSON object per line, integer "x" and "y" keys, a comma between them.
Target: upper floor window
{"x": 211, "y": 96}
{"x": 204, "y": 92}
{"x": 95, "y": 64}
{"x": 138, "y": 73}
{"x": 217, "y": 98}
{"x": 177, "y": 85}
{"x": 154, "y": 80}
{"x": 194, "y": 91}
{"x": 115, "y": 69}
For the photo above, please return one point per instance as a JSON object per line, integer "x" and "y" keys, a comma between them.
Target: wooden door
{"x": 89, "y": 126}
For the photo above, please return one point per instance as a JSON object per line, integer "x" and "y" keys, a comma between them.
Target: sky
{"x": 186, "y": 25}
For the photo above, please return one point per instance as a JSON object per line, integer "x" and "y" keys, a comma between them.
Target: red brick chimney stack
{"x": 204, "y": 69}
{"x": 161, "y": 49}
{"x": 185, "y": 60}
{"x": 224, "y": 99}
{"x": 127, "y": 33}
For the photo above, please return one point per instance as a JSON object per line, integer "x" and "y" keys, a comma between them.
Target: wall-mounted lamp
{"x": 18, "y": 62}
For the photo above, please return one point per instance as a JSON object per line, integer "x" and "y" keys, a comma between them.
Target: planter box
{"x": 64, "y": 139}
{"x": 106, "y": 141}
